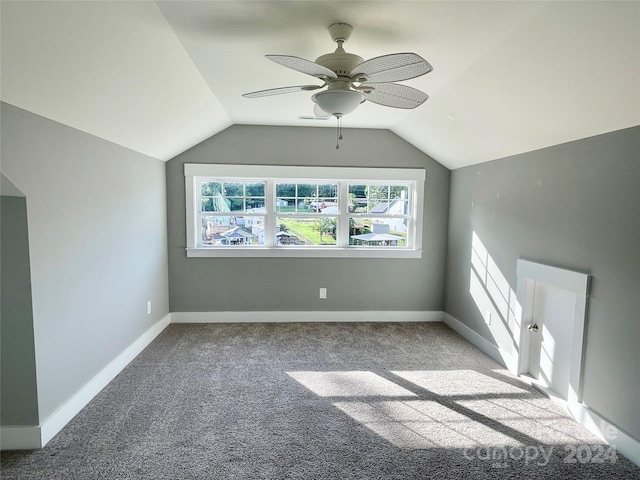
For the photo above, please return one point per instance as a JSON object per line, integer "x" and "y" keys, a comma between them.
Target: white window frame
{"x": 415, "y": 177}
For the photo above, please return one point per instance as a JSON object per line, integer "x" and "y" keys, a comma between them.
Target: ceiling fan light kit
{"x": 350, "y": 80}
{"x": 338, "y": 101}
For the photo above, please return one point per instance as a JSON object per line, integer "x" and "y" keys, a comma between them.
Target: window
{"x": 266, "y": 211}
{"x": 306, "y": 213}
{"x": 379, "y": 214}
{"x": 230, "y": 212}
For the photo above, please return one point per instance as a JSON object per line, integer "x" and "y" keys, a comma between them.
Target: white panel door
{"x": 551, "y": 337}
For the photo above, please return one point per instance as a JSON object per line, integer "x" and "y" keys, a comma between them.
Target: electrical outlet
{"x": 487, "y": 317}
{"x": 149, "y": 307}
{"x": 323, "y": 293}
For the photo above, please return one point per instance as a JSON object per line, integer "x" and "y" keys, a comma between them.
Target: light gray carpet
{"x": 317, "y": 401}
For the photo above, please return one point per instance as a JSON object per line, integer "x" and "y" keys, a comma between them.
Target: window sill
{"x": 331, "y": 252}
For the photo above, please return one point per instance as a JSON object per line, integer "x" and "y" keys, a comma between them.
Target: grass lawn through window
{"x": 306, "y": 230}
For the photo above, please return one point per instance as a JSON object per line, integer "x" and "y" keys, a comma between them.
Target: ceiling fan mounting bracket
{"x": 340, "y": 32}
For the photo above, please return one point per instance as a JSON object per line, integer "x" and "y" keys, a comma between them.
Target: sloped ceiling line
{"x": 160, "y": 77}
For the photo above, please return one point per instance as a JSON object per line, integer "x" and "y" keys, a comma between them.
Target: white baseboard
{"x": 624, "y": 443}
{"x": 609, "y": 432}
{"x": 484, "y": 345}
{"x": 37, "y": 436}
{"x": 312, "y": 316}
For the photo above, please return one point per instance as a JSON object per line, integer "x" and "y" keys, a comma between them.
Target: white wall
{"x": 98, "y": 247}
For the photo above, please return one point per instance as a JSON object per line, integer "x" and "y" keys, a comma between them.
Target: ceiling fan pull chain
{"x": 338, "y": 131}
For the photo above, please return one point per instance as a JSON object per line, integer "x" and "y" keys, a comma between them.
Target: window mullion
{"x": 343, "y": 220}
{"x": 414, "y": 196}
{"x": 270, "y": 215}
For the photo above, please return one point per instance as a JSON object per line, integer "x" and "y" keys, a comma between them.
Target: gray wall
{"x": 282, "y": 284}
{"x": 575, "y": 205}
{"x": 97, "y": 247}
{"x": 18, "y": 391}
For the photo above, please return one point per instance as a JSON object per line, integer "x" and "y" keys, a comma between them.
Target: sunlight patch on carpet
{"x": 419, "y": 424}
{"x": 349, "y": 384}
{"x": 455, "y": 383}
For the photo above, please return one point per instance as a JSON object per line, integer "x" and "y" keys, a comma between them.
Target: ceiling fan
{"x": 350, "y": 80}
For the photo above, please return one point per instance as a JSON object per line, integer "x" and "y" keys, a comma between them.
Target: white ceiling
{"x": 159, "y": 77}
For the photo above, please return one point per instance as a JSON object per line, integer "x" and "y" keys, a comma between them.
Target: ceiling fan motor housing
{"x": 340, "y": 62}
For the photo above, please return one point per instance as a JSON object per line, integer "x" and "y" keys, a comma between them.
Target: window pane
{"x": 380, "y": 192}
{"x": 210, "y": 188}
{"x": 254, "y": 204}
{"x": 233, "y": 189}
{"x": 285, "y": 189}
{"x": 399, "y": 191}
{"x": 207, "y": 205}
{"x": 287, "y": 205}
{"x": 234, "y": 231}
{"x": 377, "y": 206}
{"x": 255, "y": 189}
{"x": 378, "y": 232}
{"x": 306, "y": 190}
{"x": 330, "y": 190}
{"x": 235, "y": 204}
{"x": 358, "y": 191}
{"x": 306, "y": 230}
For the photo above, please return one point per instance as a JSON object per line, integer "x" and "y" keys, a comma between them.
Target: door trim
{"x": 577, "y": 283}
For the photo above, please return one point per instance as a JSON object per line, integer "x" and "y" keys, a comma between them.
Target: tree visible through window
{"x": 231, "y": 212}
{"x": 380, "y": 214}
{"x": 297, "y": 208}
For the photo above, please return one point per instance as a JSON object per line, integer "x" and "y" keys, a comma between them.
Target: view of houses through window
{"x": 233, "y": 213}
{"x": 306, "y": 213}
{"x": 260, "y": 210}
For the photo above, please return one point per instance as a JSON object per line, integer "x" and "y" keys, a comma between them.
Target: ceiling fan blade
{"x": 281, "y": 90}
{"x": 304, "y": 66}
{"x": 396, "y": 96}
{"x": 395, "y": 67}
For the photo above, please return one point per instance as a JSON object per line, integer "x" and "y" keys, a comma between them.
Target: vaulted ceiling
{"x": 159, "y": 77}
